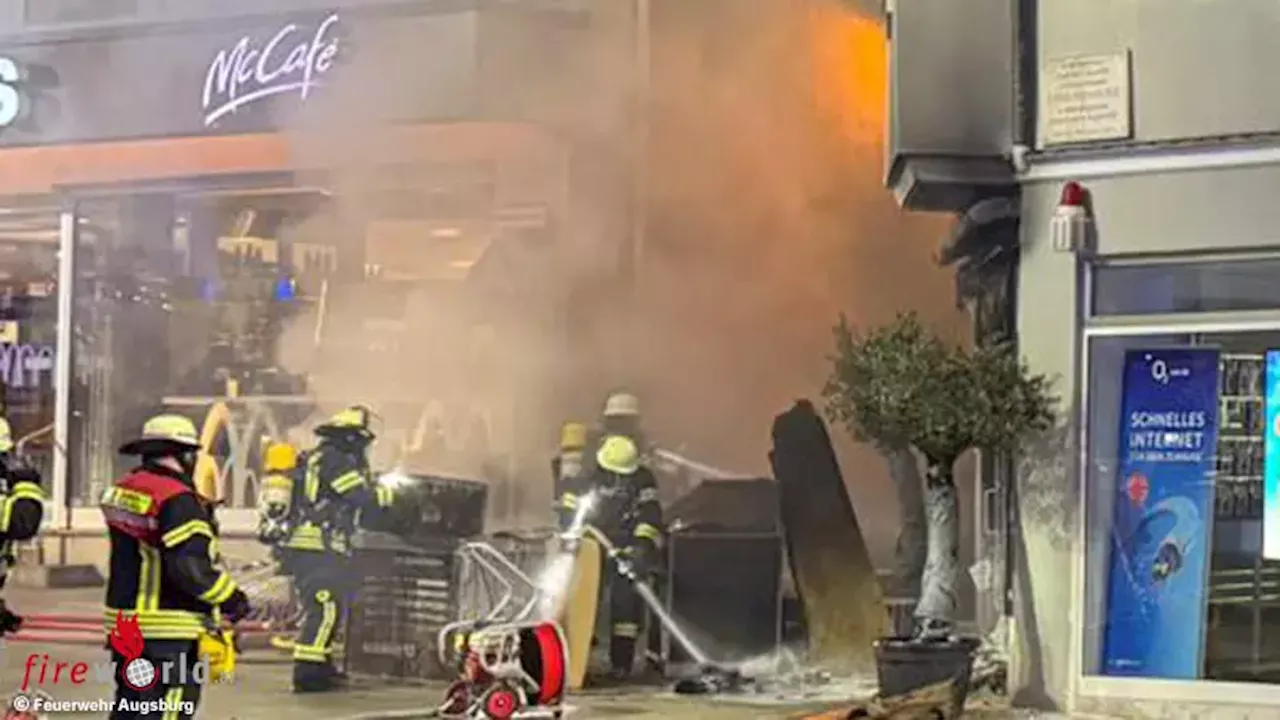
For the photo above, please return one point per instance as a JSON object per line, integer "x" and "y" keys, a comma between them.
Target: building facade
{"x": 183, "y": 184}
{"x": 1151, "y": 118}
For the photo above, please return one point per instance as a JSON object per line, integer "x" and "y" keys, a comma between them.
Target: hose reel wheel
{"x": 500, "y": 703}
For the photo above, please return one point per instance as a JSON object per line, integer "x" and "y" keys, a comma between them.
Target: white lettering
{"x": 24, "y": 366}
{"x": 243, "y": 74}
{"x": 11, "y": 104}
{"x": 1170, "y": 420}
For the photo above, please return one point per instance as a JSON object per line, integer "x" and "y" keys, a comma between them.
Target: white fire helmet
{"x": 622, "y": 404}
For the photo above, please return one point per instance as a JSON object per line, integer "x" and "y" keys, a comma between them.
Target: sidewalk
{"x": 261, "y": 687}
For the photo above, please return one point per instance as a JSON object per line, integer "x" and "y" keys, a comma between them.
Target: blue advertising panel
{"x": 1159, "y": 563}
{"x": 1271, "y": 459}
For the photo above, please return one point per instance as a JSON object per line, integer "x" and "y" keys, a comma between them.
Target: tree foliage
{"x": 902, "y": 383}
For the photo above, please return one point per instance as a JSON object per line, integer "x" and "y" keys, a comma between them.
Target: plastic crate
{"x": 433, "y": 507}
{"x": 407, "y": 594}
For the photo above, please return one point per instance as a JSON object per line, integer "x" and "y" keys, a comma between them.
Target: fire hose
{"x": 712, "y": 676}
{"x": 75, "y": 629}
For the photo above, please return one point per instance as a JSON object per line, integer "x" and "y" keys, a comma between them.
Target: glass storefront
{"x": 253, "y": 311}
{"x": 28, "y": 326}
{"x": 1177, "y": 582}
{"x": 179, "y": 305}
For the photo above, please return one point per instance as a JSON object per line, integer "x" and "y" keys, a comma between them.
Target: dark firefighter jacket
{"x": 625, "y": 508}
{"x": 336, "y": 488}
{"x": 21, "y": 510}
{"x": 163, "y": 545}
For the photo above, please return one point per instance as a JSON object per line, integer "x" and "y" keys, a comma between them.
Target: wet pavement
{"x": 260, "y": 690}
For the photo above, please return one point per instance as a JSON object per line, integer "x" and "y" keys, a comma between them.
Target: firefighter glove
{"x": 236, "y": 607}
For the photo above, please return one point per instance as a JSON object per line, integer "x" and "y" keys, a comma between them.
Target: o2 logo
{"x": 12, "y": 103}
{"x": 1162, "y": 372}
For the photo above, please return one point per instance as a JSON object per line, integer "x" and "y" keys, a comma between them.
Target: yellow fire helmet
{"x": 618, "y": 454}
{"x": 280, "y": 457}
{"x": 353, "y": 419}
{"x": 573, "y": 436}
{"x": 218, "y": 648}
{"x": 166, "y": 429}
{"x": 6, "y": 436}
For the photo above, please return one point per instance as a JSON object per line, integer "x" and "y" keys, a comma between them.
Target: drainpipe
{"x": 1025, "y": 66}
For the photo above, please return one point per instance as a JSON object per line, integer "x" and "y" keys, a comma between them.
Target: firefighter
{"x": 21, "y": 510}
{"x": 162, "y": 571}
{"x": 621, "y": 416}
{"x": 275, "y": 499}
{"x": 275, "y": 514}
{"x": 567, "y": 470}
{"x": 627, "y": 511}
{"x": 336, "y": 488}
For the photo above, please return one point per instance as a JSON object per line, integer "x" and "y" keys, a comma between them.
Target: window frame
{"x": 1087, "y": 682}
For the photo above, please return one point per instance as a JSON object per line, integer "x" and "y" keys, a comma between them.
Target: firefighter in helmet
{"x": 336, "y": 488}
{"x": 626, "y": 509}
{"x": 567, "y": 469}
{"x": 21, "y": 510}
{"x": 620, "y": 416}
{"x": 163, "y": 577}
{"x": 275, "y": 499}
{"x": 275, "y": 513}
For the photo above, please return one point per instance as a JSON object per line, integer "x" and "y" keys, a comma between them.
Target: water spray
{"x": 713, "y": 677}
{"x": 554, "y": 581}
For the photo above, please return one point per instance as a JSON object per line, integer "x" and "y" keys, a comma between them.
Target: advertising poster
{"x": 1271, "y": 458}
{"x": 1159, "y": 562}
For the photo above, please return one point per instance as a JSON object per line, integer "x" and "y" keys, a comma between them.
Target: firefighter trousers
{"x": 322, "y": 587}
{"x": 626, "y": 616}
{"x": 175, "y": 689}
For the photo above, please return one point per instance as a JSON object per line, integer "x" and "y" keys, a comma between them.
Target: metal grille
{"x": 484, "y": 590}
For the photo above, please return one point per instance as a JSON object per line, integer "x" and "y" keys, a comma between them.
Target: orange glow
{"x": 851, "y": 68}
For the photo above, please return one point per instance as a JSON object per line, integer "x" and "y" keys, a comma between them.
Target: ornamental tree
{"x": 902, "y": 384}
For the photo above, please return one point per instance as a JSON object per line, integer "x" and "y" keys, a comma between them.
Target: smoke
{"x": 766, "y": 217}
{"x": 771, "y": 217}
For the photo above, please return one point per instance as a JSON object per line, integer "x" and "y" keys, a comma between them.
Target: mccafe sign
{"x": 291, "y": 60}
{"x": 12, "y": 102}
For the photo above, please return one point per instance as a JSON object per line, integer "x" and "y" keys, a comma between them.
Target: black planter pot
{"x": 904, "y": 665}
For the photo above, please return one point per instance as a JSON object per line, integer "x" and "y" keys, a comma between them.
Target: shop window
{"x": 1180, "y": 437}
{"x": 1161, "y": 288}
{"x": 181, "y": 302}
{"x": 28, "y": 326}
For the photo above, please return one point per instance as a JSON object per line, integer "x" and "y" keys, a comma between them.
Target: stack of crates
{"x": 409, "y": 589}
{"x": 405, "y": 597}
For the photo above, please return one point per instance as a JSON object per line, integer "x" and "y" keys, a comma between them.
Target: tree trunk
{"x": 913, "y": 535}
{"x": 942, "y": 565}
{"x": 834, "y": 577}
